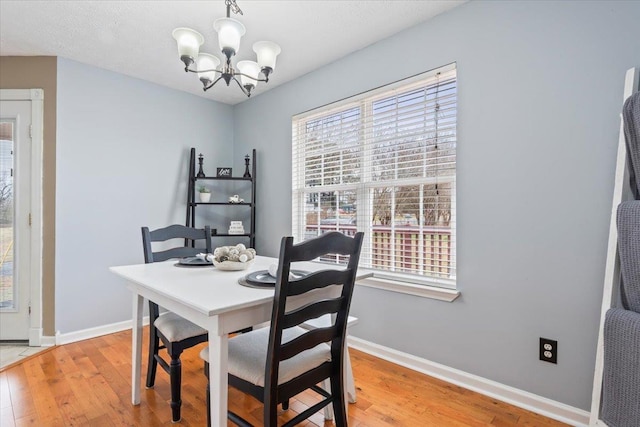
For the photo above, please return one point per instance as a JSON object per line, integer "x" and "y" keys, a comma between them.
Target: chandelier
{"x": 207, "y": 66}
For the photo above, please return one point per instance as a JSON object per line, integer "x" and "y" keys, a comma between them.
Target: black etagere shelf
{"x": 192, "y": 204}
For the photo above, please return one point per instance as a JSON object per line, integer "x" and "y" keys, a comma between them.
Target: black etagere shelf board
{"x": 192, "y": 203}
{"x": 223, "y": 203}
{"x": 230, "y": 178}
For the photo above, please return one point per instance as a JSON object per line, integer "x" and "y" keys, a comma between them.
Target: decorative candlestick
{"x": 247, "y": 174}
{"x": 200, "y": 171}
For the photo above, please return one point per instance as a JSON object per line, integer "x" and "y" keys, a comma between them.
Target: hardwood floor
{"x": 88, "y": 384}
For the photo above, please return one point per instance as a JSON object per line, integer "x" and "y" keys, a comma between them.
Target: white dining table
{"x": 208, "y": 297}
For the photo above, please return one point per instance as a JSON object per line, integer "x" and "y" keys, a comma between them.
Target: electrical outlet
{"x": 548, "y": 350}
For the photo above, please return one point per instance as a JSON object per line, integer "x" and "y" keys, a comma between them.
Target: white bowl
{"x": 232, "y": 265}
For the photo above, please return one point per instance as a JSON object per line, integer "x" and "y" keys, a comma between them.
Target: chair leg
{"x": 270, "y": 412}
{"x": 175, "y": 377}
{"x": 339, "y": 406}
{"x": 152, "y": 366}
{"x": 285, "y": 405}
{"x": 208, "y": 398}
{"x": 208, "y": 405}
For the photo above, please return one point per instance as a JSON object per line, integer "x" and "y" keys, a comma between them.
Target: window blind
{"x": 383, "y": 162}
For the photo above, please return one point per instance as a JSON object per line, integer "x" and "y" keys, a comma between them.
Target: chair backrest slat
{"x": 337, "y": 243}
{"x": 311, "y": 311}
{"x": 177, "y": 231}
{"x": 176, "y": 253}
{"x": 318, "y": 280}
{"x": 307, "y": 341}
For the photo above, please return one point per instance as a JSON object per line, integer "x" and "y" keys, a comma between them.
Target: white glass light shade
{"x": 207, "y": 62}
{"x": 230, "y": 32}
{"x": 251, "y": 69}
{"x": 189, "y": 42}
{"x": 267, "y": 52}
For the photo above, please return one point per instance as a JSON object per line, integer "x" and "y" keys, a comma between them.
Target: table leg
{"x": 136, "y": 348}
{"x": 349, "y": 383}
{"x": 328, "y": 410}
{"x": 349, "y": 386}
{"x": 218, "y": 377}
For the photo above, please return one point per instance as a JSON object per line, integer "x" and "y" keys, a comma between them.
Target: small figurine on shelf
{"x": 235, "y": 199}
{"x": 200, "y": 171}
{"x": 247, "y": 174}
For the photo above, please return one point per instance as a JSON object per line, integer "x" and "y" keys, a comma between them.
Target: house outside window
{"x": 384, "y": 162}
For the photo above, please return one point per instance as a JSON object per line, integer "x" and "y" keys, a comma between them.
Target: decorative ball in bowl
{"x": 233, "y": 258}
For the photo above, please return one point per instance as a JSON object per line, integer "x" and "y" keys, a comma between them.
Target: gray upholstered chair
{"x": 276, "y": 363}
{"x": 176, "y": 333}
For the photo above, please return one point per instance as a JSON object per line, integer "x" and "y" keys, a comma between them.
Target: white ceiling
{"x": 134, "y": 37}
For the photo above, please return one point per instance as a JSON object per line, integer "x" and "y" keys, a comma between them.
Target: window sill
{"x": 389, "y": 283}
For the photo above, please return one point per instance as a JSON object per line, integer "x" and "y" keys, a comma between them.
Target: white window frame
{"x": 424, "y": 286}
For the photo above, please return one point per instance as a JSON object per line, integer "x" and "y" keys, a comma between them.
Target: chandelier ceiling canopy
{"x": 208, "y": 67}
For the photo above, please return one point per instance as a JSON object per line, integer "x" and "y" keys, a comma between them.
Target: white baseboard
{"x": 523, "y": 399}
{"x": 98, "y": 331}
{"x": 46, "y": 341}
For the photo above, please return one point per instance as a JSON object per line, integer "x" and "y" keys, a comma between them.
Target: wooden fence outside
{"x": 398, "y": 249}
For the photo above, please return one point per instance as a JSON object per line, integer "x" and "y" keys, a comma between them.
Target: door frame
{"x": 36, "y": 96}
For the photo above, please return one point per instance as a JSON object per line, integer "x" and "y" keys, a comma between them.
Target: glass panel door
{"x": 7, "y": 283}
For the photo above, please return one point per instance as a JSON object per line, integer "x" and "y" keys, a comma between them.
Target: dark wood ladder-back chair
{"x": 176, "y": 333}
{"x": 276, "y": 363}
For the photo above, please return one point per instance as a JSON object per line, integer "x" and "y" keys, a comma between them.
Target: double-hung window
{"x": 384, "y": 162}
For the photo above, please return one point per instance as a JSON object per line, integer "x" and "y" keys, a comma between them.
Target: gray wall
{"x": 122, "y": 155}
{"x": 540, "y": 92}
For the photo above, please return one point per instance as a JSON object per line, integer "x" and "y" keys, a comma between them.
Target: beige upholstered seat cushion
{"x": 248, "y": 355}
{"x": 175, "y": 328}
